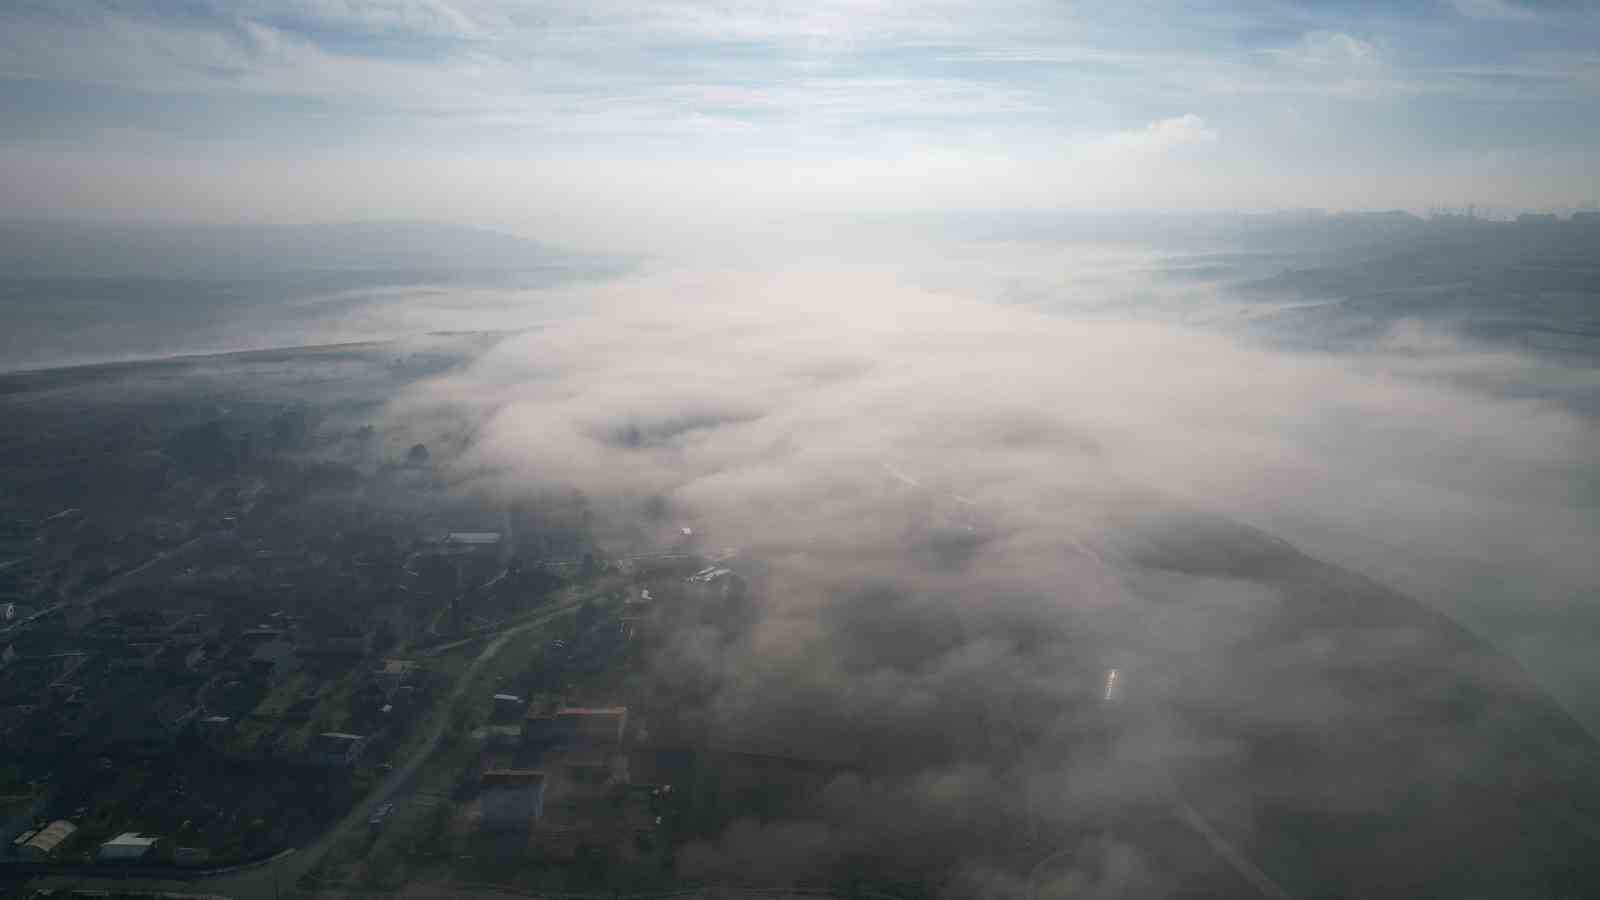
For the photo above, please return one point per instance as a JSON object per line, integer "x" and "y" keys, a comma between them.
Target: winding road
{"x": 270, "y": 879}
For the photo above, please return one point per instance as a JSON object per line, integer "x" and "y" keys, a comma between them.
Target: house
{"x": 393, "y": 674}
{"x": 507, "y": 708}
{"x": 577, "y": 725}
{"x": 335, "y": 750}
{"x": 272, "y": 660}
{"x": 126, "y": 847}
{"x": 502, "y": 737}
{"x": 476, "y": 554}
{"x": 147, "y": 729}
{"x": 512, "y": 798}
{"x": 195, "y": 657}
{"x": 191, "y": 856}
{"x": 638, "y": 616}
{"x": 556, "y": 843}
{"x": 40, "y": 844}
{"x": 472, "y": 540}
{"x": 714, "y": 583}
{"x": 343, "y": 641}
{"x": 213, "y": 729}
{"x": 182, "y": 656}
{"x": 709, "y": 575}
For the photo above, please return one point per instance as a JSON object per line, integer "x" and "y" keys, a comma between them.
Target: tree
{"x": 384, "y": 639}
{"x": 417, "y": 456}
{"x": 586, "y": 617}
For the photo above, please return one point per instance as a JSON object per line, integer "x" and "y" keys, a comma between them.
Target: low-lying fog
{"x": 971, "y": 476}
{"x": 772, "y": 406}
{"x": 979, "y": 478}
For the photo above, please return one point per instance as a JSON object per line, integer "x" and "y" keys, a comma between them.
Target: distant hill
{"x": 34, "y": 249}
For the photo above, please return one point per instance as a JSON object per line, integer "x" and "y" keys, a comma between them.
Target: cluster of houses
{"x": 40, "y": 844}
{"x": 566, "y": 783}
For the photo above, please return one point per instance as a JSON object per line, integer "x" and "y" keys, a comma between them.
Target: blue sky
{"x": 314, "y": 109}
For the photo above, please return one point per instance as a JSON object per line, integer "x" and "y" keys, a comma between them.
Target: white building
{"x": 127, "y": 847}
{"x": 335, "y": 750}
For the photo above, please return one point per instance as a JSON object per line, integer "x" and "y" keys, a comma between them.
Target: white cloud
{"x": 436, "y": 18}
{"x": 1161, "y": 135}
{"x": 847, "y": 99}
{"x": 1493, "y": 10}
{"x": 1329, "y": 50}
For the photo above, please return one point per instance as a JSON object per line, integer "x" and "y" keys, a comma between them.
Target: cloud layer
{"x": 482, "y": 111}
{"x": 958, "y": 517}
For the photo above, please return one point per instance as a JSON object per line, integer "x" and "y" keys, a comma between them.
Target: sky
{"x": 626, "y": 114}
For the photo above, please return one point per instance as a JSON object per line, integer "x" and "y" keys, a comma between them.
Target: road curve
{"x": 269, "y": 880}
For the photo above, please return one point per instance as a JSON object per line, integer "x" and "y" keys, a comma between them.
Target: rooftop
{"x": 341, "y": 736}
{"x": 472, "y": 537}
{"x": 583, "y": 711}
{"x": 511, "y": 777}
{"x": 333, "y": 742}
{"x": 51, "y": 836}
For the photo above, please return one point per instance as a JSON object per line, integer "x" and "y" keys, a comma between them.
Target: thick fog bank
{"x": 959, "y": 516}
{"x": 763, "y": 406}
{"x": 965, "y": 514}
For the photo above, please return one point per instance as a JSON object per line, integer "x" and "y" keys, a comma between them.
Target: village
{"x": 272, "y": 637}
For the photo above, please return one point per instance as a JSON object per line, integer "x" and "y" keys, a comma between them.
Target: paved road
{"x": 272, "y": 879}
{"x": 1246, "y": 869}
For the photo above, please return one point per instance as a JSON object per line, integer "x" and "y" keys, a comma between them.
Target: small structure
{"x": 338, "y": 641}
{"x": 127, "y": 847}
{"x": 507, "y": 708}
{"x": 473, "y": 540}
{"x": 709, "y": 575}
{"x": 335, "y": 749}
{"x": 595, "y": 726}
{"x": 380, "y": 815}
{"x": 213, "y": 729}
{"x": 638, "y": 615}
{"x": 40, "y": 844}
{"x": 393, "y": 674}
{"x": 556, "y": 843}
{"x": 512, "y": 798}
{"x": 475, "y": 555}
{"x": 191, "y": 856}
{"x": 272, "y": 659}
